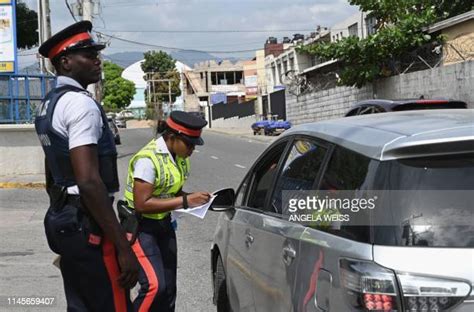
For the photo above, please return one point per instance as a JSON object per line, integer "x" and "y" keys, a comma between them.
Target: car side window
{"x": 299, "y": 172}
{"x": 347, "y": 171}
{"x": 263, "y": 177}
{"x": 239, "y": 197}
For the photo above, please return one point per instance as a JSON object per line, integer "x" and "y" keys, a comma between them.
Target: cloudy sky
{"x": 202, "y": 24}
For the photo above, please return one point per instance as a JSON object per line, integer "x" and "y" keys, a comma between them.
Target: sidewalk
{"x": 242, "y": 133}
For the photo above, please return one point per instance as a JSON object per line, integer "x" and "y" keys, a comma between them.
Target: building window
{"x": 239, "y": 77}
{"x": 214, "y": 78}
{"x": 273, "y": 75}
{"x": 221, "y": 78}
{"x": 292, "y": 64}
{"x": 371, "y": 23}
{"x": 354, "y": 30}
{"x": 342, "y": 35}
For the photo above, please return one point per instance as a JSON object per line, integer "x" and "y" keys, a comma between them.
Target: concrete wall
{"x": 327, "y": 104}
{"x": 20, "y": 151}
{"x": 452, "y": 81}
{"x": 235, "y": 123}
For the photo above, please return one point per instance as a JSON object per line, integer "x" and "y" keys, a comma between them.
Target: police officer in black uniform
{"x": 97, "y": 263}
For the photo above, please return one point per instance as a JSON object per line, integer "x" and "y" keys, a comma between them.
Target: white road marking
{"x": 239, "y": 166}
{"x": 214, "y": 157}
{"x": 196, "y": 151}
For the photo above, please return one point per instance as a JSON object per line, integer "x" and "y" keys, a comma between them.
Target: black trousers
{"x": 156, "y": 251}
{"x": 88, "y": 262}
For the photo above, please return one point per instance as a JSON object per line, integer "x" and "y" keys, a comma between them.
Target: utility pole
{"x": 44, "y": 32}
{"x": 159, "y": 106}
{"x": 87, "y": 10}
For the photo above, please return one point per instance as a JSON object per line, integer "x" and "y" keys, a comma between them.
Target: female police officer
{"x": 154, "y": 188}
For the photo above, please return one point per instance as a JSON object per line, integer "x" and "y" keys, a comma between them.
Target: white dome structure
{"x": 135, "y": 74}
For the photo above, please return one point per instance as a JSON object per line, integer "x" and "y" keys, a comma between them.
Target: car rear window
{"x": 430, "y": 202}
{"x": 429, "y": 105}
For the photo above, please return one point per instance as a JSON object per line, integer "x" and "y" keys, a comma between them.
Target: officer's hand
{"x": 198, "y": 199}
{"x": 128, "y": 268}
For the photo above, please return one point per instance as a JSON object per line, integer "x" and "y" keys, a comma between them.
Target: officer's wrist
{"x": 185, "y": 201}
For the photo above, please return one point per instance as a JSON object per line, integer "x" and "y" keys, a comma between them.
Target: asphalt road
{"x": 26, "y": 268}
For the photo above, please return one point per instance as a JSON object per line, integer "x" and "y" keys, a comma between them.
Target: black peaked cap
{"x": 188, "y": 120}
{"x": 74, "y": 29}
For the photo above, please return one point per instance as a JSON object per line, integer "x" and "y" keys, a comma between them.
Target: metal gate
{"x": 20, "y": 95}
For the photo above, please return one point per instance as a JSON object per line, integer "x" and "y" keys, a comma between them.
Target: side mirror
{"x": 224, "y": 200}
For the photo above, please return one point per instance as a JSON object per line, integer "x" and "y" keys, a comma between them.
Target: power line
{"x": 70, "y": 10}
{"x": 208, "y": 31}
{"x": 174, "y": 48}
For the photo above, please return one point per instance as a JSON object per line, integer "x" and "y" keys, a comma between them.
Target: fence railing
{"x": 20, "y": 95}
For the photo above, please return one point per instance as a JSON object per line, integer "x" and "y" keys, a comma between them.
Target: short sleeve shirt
{"x": 77, "y": 118}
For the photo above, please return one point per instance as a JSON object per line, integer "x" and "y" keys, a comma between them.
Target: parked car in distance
{"x": 113, "y": 127}
{"x": 412, "y": 252}
{"x": 120, "y": 122}
{"x": 270, "y": 127}
{"x": 382, "y": 106}
{"x": 276, "y": 127}
{"x": 125, "y": 114}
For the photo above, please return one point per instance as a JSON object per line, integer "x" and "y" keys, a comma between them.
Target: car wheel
{"x": 117, "y": 141}
{"x": 220, "y": 288}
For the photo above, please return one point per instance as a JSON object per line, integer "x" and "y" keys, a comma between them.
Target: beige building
{"x": 211, "y": 82}
{"x": 250, "y": 79}
{"x": 459, "y": 36}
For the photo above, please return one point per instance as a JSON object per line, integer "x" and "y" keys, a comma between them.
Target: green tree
{"x": 26, "y": 26}
{"x": 158, "y": 61}
{"x": 160, "y": 65}
{"x": 399, "y": 30}
{"x": 112, "y": 70}
{"x": 118, "y": 92}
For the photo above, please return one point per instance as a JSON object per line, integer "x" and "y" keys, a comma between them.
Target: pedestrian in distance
{"x": 97, "y": 263}
{"x": 156, "y": 176}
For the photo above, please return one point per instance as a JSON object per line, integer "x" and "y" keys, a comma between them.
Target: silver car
{"x": 413, "y": 252}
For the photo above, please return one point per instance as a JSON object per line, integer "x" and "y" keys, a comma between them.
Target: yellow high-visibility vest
{"x": 169, "y": 177}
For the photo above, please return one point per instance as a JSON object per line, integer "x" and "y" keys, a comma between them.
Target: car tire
{"x": 220, "y": 288}
{"x": 118, "y": 141}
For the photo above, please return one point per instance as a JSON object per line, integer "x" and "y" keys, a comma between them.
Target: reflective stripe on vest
{"x": 169, "y": 178}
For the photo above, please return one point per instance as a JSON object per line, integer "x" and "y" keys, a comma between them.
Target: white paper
{"x": 199, "y": 211}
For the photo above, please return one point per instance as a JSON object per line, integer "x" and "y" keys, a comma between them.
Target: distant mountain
{"x": 126, "y": 59}
{"x": 189, "y": 58}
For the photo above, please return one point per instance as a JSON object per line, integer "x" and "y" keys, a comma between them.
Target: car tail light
{"x": 369, "y": 286}
{"x": 372, "y": 287}
{"x": 431, "y": 294}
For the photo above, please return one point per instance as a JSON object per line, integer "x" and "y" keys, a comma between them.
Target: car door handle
{"x": 249, "y": 239}
{"x": 288, "y": 255}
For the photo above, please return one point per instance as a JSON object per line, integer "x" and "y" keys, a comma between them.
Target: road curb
{"x": 246, "y": 136}
{"x": 22, "y": 185}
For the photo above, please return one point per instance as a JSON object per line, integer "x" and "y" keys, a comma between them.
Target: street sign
{"x": 8, "y": 57}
